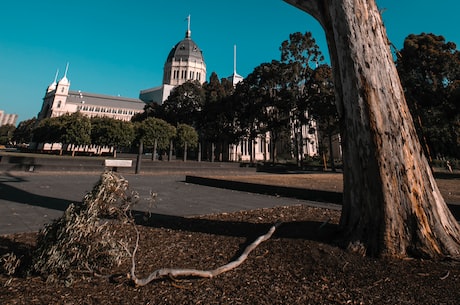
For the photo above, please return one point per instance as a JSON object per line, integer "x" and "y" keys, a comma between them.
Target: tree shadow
{"x": 311, "y": 230}
{"x": 13, "y": 194}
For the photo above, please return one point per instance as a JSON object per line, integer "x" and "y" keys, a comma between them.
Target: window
{"x": 58, "y": 104}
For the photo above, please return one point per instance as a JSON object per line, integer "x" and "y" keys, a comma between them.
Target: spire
{"x": 235, "y": 78}
{"x": 234, "y": 59}
{"x": 66, "y": 69}
{"x": 188, "y": 34}
{"x": 64, "y": 79}
{"x": 55, "y": 76}
{"x": 52, "y": 86}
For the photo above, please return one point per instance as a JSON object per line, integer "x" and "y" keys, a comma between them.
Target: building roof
{"x": 78, "y": 97}
{"x": 185, "y": 50}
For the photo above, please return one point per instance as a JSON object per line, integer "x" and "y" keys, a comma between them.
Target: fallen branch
{"x": 160, "y": 273}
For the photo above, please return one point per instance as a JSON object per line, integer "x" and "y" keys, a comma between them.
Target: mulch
{"x": 300, "y": 264}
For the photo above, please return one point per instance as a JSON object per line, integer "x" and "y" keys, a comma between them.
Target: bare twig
{"x": 160, "y": 273}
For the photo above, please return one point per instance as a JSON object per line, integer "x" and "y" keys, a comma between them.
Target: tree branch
{"x": 160, "y": 273}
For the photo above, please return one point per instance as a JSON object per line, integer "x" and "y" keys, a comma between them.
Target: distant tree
{"x": 6, "y": 134}
{"x": 23, "y": 133}
{"x": 321, "y": 106}
{"x": 301, "y": 55}
{"x": 48, "y": 130}
{"x": 248, "y": 105}
{"x": 269, "y": 93}
{"x": 429, "y": 68}
{"x": 186, "y": 137}
{"x": 150, "y": 110}
{"x": 184, "y": 104}
{"x": 218, "y": 116}
{"x": 156, "y": 133}
{"x": 111, "y": 132}
{"x": 76, "y": 130}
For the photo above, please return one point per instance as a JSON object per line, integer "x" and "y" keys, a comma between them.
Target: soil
{"x": 300, "y": 264}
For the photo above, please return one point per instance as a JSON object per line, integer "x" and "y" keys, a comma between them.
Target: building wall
{"x": 7, "y": 119}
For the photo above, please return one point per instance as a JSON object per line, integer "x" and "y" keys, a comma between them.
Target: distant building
{"x": 60, "y": 100}
{"x": 184, "y": 63}
{"x": 7, "y": 119}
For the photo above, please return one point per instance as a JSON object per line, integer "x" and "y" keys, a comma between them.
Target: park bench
{"x": 116, "y": 163}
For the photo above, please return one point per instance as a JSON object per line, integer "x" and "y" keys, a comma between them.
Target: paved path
{"x": 29, "y": 200}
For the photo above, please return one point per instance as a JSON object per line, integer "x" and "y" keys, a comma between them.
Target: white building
{"x": 59, "y": 100}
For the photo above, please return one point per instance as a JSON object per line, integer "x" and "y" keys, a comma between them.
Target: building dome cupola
{"x": 184, "y": 62}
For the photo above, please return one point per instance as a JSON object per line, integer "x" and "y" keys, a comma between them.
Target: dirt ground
{"x": 300, "y": 264}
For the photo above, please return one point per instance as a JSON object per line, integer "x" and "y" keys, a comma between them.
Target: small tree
{"x": 48, "y": 130}
{"x": 186, "y": 137}
{"x": 6, "y": 134}
{"x": 76, "y": 130}
{"x": 155, "y": 132}
{"x": 23, "y": 133}
{"x": 111, "y": 132}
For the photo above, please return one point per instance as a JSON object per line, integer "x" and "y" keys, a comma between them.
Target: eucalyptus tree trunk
{"x": 392, "y": 205}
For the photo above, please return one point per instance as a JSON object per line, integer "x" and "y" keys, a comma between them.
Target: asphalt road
{"x": 29, "y": 200}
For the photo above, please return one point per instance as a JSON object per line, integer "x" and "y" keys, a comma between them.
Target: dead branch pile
{"x": 85, "y": 239}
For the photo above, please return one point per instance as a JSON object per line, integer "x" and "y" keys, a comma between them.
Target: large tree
{"x": 391, "y": 204}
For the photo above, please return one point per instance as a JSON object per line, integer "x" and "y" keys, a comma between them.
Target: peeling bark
{"x": 392, "y": 205}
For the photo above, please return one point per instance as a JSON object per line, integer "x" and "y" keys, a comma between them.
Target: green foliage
{"x": 48, "y": 130}
{"x": 75, "y": 129}
{"x": 429, "y": 69}
{"x": 217, "y": 120}
{"x": 6, "y": 134}
{"x": 184, "y": 104}
{"x": 186, "y": 135}
{"x": 111, "y": 132}
{"x": 152, "y": 129}
{"x": 23, "y": 133}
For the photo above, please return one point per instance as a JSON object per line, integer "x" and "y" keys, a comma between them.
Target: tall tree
{"x": 429, "y": 68}
{"x": 392, "y": 205}
{"x": 321, "y": 106}
{"x": 300, "y": 54}
{"x": 218, "y": 115}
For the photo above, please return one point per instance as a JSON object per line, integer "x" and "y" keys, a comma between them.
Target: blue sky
{"x": 118, "y": 47}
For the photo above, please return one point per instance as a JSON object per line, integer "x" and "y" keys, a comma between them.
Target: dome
{"x": 185, "y": 50}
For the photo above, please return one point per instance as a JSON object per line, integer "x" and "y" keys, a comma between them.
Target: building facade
{"x": 8, "y": 119}
{"x": 59, "y": 100}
